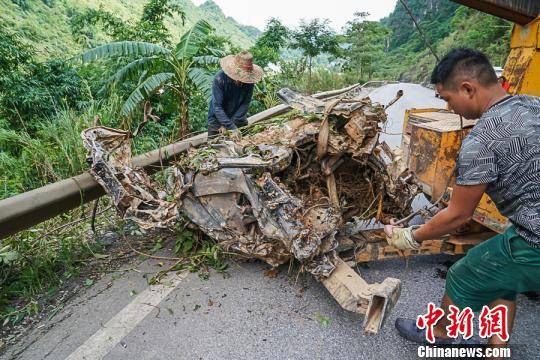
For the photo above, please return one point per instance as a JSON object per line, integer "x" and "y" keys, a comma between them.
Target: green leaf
{"x": 55, "y": 312}
{"x": 123, "y": 48}
{"x": 177, "y": 246}
{"x": 187, "y": 246}
{"x": 323, "y": 320}
{"x": 217, "y": 52}
{"x": 129, "y": 70}
{"x": 88, "y": 282}
{"x": 206, "y": 60}
{"x": 202, "y": 80}
{"x": 142, "y": 91}
{"x": 8, "y": 257}
{"x": 157, "y": 246}
{"x": 191, "y": 41}
{"x": 184, "y": 242}
{"x": 142, "y": 77}
{"x": 20, "y": 317}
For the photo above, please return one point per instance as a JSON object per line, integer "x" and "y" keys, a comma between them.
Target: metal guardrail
{"x": 33, "y": 207}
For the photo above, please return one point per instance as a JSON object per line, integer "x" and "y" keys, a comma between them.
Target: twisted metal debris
{"x": 291, "y": 187}
{"x": 283, "y": 190}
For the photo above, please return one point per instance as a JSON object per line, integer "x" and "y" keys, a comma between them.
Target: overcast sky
{"x": 256, "y": 12}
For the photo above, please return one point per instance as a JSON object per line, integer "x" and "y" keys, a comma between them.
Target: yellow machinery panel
{"x": 487, "y": 214}
{"x": 522, "y": 68}
{"x": 433, "y": 150}
{"x": 434, "y": 142}
{"x": 418, "y": 116}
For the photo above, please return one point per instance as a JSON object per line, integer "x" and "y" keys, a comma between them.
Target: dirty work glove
{"x": 236, "y": 134}
{"x": 402, "y": 238}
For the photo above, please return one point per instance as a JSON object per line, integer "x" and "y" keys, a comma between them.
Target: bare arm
{"x": 463, "y": 201}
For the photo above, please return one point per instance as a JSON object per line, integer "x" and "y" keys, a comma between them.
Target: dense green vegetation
{"x": 182, "y": 70}
{"x": 46, "y": 24}
{"x": 314, "y": 38}
{"x": 434, "y": 17}
{"x": 447, "y": 26}
{"x": 67, "y": 65}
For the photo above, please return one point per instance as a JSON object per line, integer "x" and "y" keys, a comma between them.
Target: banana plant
{"x": 159, "y": 69}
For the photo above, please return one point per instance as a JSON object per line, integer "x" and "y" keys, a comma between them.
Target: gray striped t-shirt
{"x": 503, "y": 151}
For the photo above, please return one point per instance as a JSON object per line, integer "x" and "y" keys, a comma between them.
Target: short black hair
{"x": 467, "y": 63}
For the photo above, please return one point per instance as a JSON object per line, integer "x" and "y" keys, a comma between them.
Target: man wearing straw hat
{"x": 232, "y": 91}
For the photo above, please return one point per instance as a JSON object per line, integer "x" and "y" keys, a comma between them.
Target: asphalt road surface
{"x": 248, "y": 315}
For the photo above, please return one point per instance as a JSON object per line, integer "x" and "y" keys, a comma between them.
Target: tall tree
{"x": 159, "y": 69}
{"x": 272, "y": 40}
{"x": 366, "y": 43}
{"x": 484, "y": 32}
{"x": 150, "y": 27}
{"x": 314, "y": 38}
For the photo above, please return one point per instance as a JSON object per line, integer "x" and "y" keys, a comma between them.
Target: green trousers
{"x": 498, "y": 268}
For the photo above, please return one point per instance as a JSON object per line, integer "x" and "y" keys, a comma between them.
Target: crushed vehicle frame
{"x": 302, "y": 186}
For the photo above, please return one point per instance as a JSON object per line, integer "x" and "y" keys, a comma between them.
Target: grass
{"x": 55, "y": 152}
{"x": 46, "y": 260}
{"x": 43, "y": 262}
{"x": 36, "y": 262}
{"x": 32, "y": 262}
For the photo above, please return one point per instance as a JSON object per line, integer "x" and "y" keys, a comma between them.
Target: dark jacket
{"x": 229, "y": 103}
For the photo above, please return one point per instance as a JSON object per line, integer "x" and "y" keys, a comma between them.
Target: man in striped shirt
{"x": 500, "y": 157}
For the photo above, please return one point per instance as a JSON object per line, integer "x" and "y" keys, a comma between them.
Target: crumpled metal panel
{"x": 285, "y": 191}
{"x": 133, "y": 192}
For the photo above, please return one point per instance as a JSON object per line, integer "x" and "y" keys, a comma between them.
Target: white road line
{"x": 105, "y": 339}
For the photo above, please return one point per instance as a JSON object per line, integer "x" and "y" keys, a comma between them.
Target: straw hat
{"x": 240, "y": 67}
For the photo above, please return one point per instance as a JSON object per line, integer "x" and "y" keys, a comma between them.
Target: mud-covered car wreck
{"x": 299, "y": 185}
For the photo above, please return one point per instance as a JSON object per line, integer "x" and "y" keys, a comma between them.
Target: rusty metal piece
{"x": 399, "y": 94}
{"x": 434, "y": 145}
{"x": 354, "y": 294}
{"x": 521, "y": 68}
{"x": 324, "y": 131}
{"x": 518, "y": 11}
{"x": 361, "y": 126}
{"x": 132, "y": 190}
{"x": 371, "y": 245}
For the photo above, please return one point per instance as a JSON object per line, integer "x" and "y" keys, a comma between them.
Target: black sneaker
{"x": 407, "y": 329}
